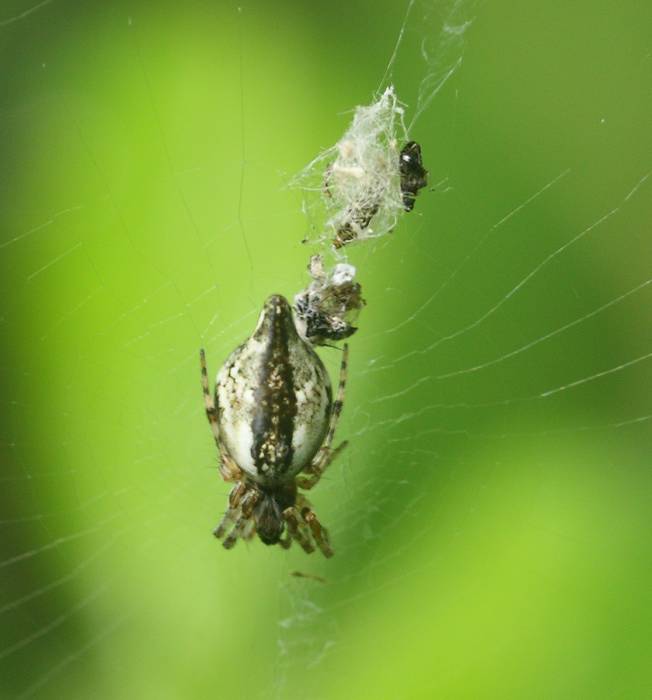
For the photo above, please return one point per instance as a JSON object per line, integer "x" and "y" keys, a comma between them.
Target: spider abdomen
{"x": 273, "y": 396}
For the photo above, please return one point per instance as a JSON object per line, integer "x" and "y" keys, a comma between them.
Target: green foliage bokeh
{"x": 491, "y": 542}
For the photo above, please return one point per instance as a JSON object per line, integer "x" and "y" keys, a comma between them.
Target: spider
{"x": 273, "y": 419}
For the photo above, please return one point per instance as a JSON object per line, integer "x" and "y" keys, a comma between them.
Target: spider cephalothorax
{"x": 273, "y": 419}
{"x": 268, "y": 516}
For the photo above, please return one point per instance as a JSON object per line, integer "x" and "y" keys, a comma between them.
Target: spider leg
{"x": 311, "y": 479}
{"x": 235, "y": 497}
{"x": 297, "y": 529}
{"x": 319, "y": 532}
{"x": 227, "y": 519}
{"x": 228, "y": 468}
{"x": 211, "y": 411}
{"x": 232, "y": 537}
{"x": 326, "y": 455}
{"x": 336, "y": 409}
{"x": 237, "y": 492}
{"x": 249, "y": 530}
{"x": 246, "y": 511}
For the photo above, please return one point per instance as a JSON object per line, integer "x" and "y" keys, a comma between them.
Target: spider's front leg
{"x": 297, "y": 529}
{"x": 243, "y": 522}
{"x": 326, "y": 455}
{"x": 237, "y": 492}
{"x": 302, "y": 523}
{"x": 319, "y": 533}
{"x": 246, "y": 508}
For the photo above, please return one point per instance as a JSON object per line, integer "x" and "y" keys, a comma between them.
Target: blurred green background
{"x": 492, "y": 541}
